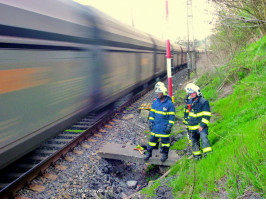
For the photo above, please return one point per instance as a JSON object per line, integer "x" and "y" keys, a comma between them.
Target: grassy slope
{"x": 237, "y": 135}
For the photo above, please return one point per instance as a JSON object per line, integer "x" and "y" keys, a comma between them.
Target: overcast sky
{"x": 149, "y": 16}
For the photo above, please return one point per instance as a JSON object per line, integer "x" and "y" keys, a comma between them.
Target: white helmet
{"x": 158, "y": 84}
{"x": 162, "y": 89}
{"x": 191, "y": 88}
{"x": 190, "y": 85}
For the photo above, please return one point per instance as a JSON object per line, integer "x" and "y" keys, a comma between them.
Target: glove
{"x": 168, "y": 129}
{"x": 151, "y": 126}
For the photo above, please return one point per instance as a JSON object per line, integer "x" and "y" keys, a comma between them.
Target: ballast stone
{"x": 127, "y": 117}
{"x": 132, "y": 184}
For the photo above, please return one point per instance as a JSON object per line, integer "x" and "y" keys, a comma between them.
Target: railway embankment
{"x": 236, "y": 168}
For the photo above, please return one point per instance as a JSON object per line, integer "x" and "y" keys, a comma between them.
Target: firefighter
{"x": 199, "y": 115}
{"x": 186, "y": 112}
{"x": 161, "y": 120}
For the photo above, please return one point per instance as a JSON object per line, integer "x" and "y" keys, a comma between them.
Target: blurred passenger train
{"x": 60, "y": 60}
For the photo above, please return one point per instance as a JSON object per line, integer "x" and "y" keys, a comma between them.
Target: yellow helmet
{"x": 162, "y": 89}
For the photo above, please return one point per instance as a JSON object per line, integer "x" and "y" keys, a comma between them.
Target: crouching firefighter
{"x": 199, "y": 115}
{"x": 161, "y": 120}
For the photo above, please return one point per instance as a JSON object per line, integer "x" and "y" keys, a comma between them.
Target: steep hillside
{"x": 236, "y": 168}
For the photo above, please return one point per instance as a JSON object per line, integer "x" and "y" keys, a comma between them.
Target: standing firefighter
{"x": 199, "y": 115}
{"x": 161, "y": 120}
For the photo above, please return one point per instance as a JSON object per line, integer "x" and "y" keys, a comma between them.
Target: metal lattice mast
{"x": 191, "y": 54}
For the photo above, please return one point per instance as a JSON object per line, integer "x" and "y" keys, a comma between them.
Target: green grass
{"x": 149, "y": 191}
{"x": 237, "y": 136}
{"x": 151, "y": 172}
{"x": 180, "y": 144}
{"x": 180, "y": 97}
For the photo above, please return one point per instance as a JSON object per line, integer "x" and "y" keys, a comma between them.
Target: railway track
{"x": 23, "y": 171}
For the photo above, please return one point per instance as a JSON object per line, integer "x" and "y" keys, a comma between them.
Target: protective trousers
{"x": 154, "y": 142}
{"x": 205, "y": 144}
{"x": 189, "y": 136}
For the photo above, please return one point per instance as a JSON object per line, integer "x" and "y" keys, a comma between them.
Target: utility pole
{"x": 191, "y": 53}
{"x": 168, "y": 57}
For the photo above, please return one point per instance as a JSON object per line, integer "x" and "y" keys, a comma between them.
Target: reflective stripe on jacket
{"x": 200, "y": 114}
{"x": 162, "y": 114}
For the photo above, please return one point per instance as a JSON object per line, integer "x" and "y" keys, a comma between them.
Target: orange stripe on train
{"x": 18, "y": 79}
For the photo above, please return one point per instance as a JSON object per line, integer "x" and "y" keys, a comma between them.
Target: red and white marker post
{"x": 168, "y": 57}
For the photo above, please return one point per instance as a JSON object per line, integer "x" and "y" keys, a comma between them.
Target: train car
{"x": 160, "y": 57}
{"x": 48, "y": 71}
{"x": 176, "y": 55}
{"x": 183, "y": 55}
{"x": 59, "y": 61}
{"x": 127, "y": 57}
{"x": 199, "y": 52}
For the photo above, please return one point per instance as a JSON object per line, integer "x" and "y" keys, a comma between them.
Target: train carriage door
{"x": 98, "y": 61}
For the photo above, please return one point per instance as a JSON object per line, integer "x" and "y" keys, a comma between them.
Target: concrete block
{"x": 126, "y": 152}
{"x": 144, "y": 115}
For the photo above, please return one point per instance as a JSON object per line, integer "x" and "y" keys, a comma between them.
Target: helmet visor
{"x": 158, "y": 90}
{"x": 190, "y": 91}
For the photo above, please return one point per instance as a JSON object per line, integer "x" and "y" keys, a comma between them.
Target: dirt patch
{"x": 206, "y": 64}
{"x": 164, "y": 192}
{"x": 250, "y": 194}
{"x": 226, "y": 90}
{"x": 222, "y": 191}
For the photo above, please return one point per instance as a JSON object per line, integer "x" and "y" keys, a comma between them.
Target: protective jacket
{"x": 199, "y": 115}
{"x": 186, "y": 110}
{"x": 162, "y": 114}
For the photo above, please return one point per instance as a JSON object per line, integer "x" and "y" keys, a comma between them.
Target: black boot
{"x": 148, "y": 155}
{"x": 207, "y": 153}
{"x": 165, "y": 154}
{"x": 161, "y": 149}
{"x": 197, "y": 157}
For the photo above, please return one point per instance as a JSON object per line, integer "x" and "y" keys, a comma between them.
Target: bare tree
{"x": 243, "y": 13}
